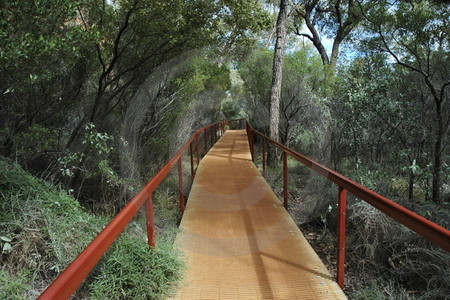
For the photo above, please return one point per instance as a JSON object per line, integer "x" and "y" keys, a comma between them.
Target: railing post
{"x": 285, "y": 180}
{"x": 198, "y": 149}
{"x": 180, "y": 185}
{"x": 215, "y": 133}
{"x": 252, "y": 145}
{"x": 191, "y": 153}
{"x": 211, "y": 136}
{"x": 249, "y": 132}
{"x": 150, "y": 221}
{"x": 205, "y": 136}
{"x": 264, "y": 156}
{"x": 342, "y": 206}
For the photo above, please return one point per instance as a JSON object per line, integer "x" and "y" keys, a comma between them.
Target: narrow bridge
{"x": 238, "y": 239}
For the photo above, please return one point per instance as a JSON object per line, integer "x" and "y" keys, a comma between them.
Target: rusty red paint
{"x": 263, "y": 149}
{"x": 205, "y": 136}
{"x": 342, "y": 208}
{"x": 198, "y": 149}
{"x": 180, "y": 185}
{"x": 150, "y": 221}
{"x": 285, "y": 181}
{"x": 191, "y": 154}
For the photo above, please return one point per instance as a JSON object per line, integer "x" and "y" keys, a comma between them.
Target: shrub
{"x": 379, "y": 247}
{"x": 131, "y": 271}
{"x": 45, "y": 229}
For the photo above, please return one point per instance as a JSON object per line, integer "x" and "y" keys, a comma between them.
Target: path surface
{"x": 238, "y": 240}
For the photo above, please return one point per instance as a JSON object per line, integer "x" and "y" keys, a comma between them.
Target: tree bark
{"x": 275, "y": 92}
{"x": 438, "y": 149}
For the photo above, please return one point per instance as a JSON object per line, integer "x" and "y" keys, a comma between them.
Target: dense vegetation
{"x": 96, "y": 95}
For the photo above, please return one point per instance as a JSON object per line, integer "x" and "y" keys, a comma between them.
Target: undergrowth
{"x": 131, "y": 271}
{"x": 43, "y": 229}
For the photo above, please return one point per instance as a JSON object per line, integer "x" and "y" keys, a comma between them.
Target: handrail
{"x": 424, "y": 227}
{"x": 69, "y": 280}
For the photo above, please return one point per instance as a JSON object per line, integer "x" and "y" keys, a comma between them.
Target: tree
{"x": 334, "y": 19}
{"x": 302, "y": 108}
{"x": 67, "y": 66}
{"x": 275, "y": 92}
{"x": 415, "y": 35}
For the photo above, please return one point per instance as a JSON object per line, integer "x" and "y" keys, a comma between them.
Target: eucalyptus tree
{"x": 302, "y": 110}
{"x": 415, "y": 34}
{"x": 333, "y": 19}
{"x": 277, "y": 75}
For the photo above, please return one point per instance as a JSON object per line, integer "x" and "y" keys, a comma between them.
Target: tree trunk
{"x": 275, "y": 92}
{"x": 438, "y": 149}
{"x": 335, "y": 52}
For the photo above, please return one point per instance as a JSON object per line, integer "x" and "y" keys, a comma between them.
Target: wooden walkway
{"x": 238, "y": 240}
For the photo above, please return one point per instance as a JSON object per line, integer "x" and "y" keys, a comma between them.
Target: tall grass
{"x": 45, "y": 229}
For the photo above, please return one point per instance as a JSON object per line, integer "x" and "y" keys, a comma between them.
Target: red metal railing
{"x": 427, "y": 229}
{"x": 69, "y": 280}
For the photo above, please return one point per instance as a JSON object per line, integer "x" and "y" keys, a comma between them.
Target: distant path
{"x": 239, "y": 242}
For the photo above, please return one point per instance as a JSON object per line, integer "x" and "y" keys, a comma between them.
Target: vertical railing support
{"x": 252, "y": 145}
{"x": 263, "y": 149}
{"x": 180, "y": 185}
{"x": 212, "y": 137}
{"x": 197, "y": 146}
{"x": 285, "y": 180}
{"x": 191, "y": 153}
{"x": 215, "y": 134}
{"x": 342, "y": 206}
{"x": 205, "y": 136}
{"x": 250, "y": 139}
{"x": 150, "y": 221}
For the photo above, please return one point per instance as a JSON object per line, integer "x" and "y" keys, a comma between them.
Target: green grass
{"x": 45, "y": 229}
{"x": 13, "y": 287}
{"x": 131, "y": 271}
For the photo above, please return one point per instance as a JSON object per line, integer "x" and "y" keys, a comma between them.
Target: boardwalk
{"x": 238, "y": 240}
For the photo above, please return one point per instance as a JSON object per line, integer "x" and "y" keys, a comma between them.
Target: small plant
{"x": 6, "y": 244}
{"x": 133, "y": 271}
{"x": 13, "y": 287}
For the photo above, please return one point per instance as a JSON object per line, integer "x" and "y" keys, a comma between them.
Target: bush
{"x": 381, "y": 291}
{"x": 44, "y": 226}
{"x": 131, "y": 271}
{"x": 379, "y": 247}
{"x": 43, "y": 229}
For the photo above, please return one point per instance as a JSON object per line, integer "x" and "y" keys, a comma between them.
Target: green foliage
{"x": 133, "y": 271}
{"x": 381, "y": 291}
{"x": 303, "y": 83}
{"x": 33, "y": 141}
{"x": 47, "y": 228}
{"x": 230, "y": 109}
{"x": 14, "y": 287}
